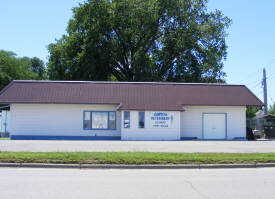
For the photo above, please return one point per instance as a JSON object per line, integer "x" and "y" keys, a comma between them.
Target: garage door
{"x": 214, "y": 126}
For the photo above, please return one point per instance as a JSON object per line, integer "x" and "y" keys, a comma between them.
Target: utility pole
{"x": 265, "y": 93}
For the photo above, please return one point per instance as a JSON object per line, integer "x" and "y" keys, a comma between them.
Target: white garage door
{"x": 214, "y": 126}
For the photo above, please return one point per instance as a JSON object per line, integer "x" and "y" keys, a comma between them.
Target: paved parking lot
{"x": 261, "y": 146}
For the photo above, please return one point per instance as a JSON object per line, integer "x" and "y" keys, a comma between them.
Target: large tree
{"x": 141, "y": 40}
{"x": 271, "y": 110}
{"x": 251, "y": 111}
{"x": 38, "y": 67}
{"x": 14, "y": 68}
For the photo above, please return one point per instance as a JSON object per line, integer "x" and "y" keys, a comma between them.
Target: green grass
{"x": 135, "y": 158}
{"x": 4, "y": 138}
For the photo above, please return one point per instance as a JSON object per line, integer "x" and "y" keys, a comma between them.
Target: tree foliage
{"x": 271, "y": 110}
{"x": 251, "y": 111}
{"x": 13, "y": 68}
{"x": 141, "y": 40}
{"x": 38, "y": 67}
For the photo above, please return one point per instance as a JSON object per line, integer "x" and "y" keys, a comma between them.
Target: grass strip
{"x": 135, "y": 158}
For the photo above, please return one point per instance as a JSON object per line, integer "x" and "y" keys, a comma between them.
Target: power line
{"x": 249, "y": 76}
{"x": 255, "y": 86}
{"x": 269, "y": 63}
{"x": 257, "y": 71}
{"x": 253, "y": 82}
{"x": 271, "y": 74}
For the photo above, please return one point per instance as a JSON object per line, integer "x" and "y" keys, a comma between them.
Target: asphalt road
{"x": 59, "y": 183}
{"x": 261, "y": 146}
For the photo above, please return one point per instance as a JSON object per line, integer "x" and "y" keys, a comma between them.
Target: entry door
{"x": 214, "y": 126}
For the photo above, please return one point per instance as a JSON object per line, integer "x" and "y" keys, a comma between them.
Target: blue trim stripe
{"x": 44, "y": 137}
{"x": 188, "y": 138}
{"x": 240, "y": 138}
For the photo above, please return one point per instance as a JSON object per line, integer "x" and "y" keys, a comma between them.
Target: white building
{"x": 67, "y": 110}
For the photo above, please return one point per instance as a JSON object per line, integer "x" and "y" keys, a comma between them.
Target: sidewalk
{"x": 258, "y": 146}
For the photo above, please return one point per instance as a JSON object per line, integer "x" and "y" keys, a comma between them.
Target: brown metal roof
{"x": 129, "y": 95}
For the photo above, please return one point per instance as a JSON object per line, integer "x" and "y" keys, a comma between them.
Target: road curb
{"x": 226, "y": 166}
{"x": 9, "y": 164}
{"x": 61, "y": 166}
{"x": 122, "y": 166}
{"x": 265, "y": 165}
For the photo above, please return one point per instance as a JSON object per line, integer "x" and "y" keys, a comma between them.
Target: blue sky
{"x": 27, "y": 27}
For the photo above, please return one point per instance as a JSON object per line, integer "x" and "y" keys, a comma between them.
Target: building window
{"x": 126, "y": 119}
{"x": 112, "y": 120}
{"x": 87, "y": 120}
{"x": 141, "y": 119}
{"x": 100, "y": 120}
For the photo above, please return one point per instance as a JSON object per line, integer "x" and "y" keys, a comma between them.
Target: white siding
{"x": 147, "y": 133}
{"x": 57, "y": 120}
{"x": 191, "y": 120}
{"x": 67, "y": 120}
